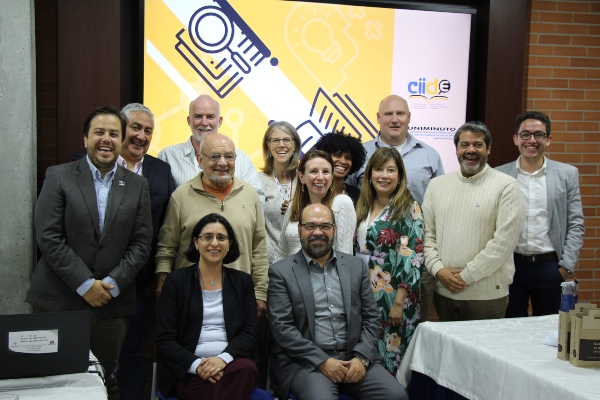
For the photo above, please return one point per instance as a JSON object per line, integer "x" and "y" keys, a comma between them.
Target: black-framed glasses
{"x": 526, "y": 135}
{"x": 286, "y": 141}
{"x": 324, "y": 227}
{"x": 215, "y": 157}
{"x": 209, "y": 237}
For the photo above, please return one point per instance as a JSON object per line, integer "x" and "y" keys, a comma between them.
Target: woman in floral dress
{"x": 390, "y": 240}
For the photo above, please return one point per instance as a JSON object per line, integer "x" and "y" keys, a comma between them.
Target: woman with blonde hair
{"x": 281, "y": 150}
{"x": 390, "y": 240}
{"x": 313, "y": 185}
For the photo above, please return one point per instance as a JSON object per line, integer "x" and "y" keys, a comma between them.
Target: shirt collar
{"x": 189, "y": 148}
{"x": 137, "y": 168}
{"x": 539, "y": 171}
{"x": 475, "y": 177}
{"x": 309, "y": 260}
{"x": 409, "y": 144}
{"x": 96, "y": 172}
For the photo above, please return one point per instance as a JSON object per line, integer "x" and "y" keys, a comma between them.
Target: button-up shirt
{"x": 137, "y": 168}
{"x": 535, "y": 237}
{"x": 102, "y": 187}
{"x": 421, "y": 161}
{"x": 331, "y": 327}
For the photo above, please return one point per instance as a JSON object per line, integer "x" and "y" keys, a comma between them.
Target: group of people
{"x": 318, "y": 262}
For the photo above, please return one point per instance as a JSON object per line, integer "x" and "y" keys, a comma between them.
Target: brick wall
{"x": 563, "y": 80}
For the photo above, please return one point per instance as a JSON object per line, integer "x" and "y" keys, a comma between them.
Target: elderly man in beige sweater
{"x": 473, "y": 218}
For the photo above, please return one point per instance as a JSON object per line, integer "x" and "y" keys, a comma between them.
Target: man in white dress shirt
{"x": 552, "y": 234}
{"x": 204, "y": 118}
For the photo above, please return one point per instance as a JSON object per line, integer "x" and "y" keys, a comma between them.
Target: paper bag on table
{"x": 585, "y": 335}
{"x": 564, "y": 329}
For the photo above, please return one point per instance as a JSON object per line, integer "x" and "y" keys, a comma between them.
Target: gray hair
{"x": 474, "y": 126}
{"x": 136, "y": 107}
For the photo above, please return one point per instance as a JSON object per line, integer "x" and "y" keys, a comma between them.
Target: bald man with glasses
{"x": 216, "y": 189}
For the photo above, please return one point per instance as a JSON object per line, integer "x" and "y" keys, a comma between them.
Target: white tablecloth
{"x": 497, "y": 359}
{"x": 82, "y": 386}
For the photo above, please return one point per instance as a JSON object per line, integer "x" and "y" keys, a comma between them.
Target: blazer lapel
{"x": 85, "y": 182}
{"x": 346, "y": 284}
{"x": 551, "y": 185}
{"x": 513, "y": 169}
{"x": 117, "y": 190}
{"x": 302, "y": 275}
{"x": 148, "y": 170}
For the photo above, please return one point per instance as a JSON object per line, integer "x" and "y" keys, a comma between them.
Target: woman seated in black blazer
{"x": 206, "y": 328}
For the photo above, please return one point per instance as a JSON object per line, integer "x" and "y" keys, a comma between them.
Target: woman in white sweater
{"x": 281, "y": 148}
{"x": 313, "y": 185}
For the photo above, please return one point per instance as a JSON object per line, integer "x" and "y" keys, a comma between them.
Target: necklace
{"x": 286, "y": 187}
{"x": 206, "y": 279}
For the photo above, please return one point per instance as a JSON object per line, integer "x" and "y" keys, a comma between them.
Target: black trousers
{"x": 539, "y": 281}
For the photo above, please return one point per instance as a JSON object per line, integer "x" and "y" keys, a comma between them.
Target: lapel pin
{"x": 121, "y": 183}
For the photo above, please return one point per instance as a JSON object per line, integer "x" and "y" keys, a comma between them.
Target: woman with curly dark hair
{"x": 348, "y": 156}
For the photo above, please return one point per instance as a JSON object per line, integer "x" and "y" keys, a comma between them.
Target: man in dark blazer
{"x": 324, "y": 320}
{"x": 552, "y": 235}
{"x": 93, "y": 227}
{"x": 138, "y": 136}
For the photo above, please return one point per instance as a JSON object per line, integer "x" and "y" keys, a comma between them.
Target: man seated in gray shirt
{"x": 324, "y": 320}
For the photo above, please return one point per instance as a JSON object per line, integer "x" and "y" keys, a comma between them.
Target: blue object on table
{"x": 257, "y": 394}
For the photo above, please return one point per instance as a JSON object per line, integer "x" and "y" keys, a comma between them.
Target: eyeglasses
{"x": 325, "y": 227}
{"x": 286, "y": 141}
{"x": 209, "y": 237}
{"x": 525, "y": 135}
{"x": 215, "y": 157}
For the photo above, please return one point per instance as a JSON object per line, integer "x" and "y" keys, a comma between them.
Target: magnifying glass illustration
{"x": 212, "y": 31}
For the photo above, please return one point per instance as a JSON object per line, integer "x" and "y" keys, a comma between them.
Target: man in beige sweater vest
{"x": 473, "y": 218}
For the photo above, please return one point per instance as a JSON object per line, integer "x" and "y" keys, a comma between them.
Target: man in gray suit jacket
{"x": 552, "y": 234}
{"x": 93, "y": 227}
{"x": 324, "y": 320}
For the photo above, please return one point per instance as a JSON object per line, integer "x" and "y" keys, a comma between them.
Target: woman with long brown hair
{"x": 313, "y": 185}
{"x": 390, "y": 240}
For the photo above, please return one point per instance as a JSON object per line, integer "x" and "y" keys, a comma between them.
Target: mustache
{"x": 316, "y": 238}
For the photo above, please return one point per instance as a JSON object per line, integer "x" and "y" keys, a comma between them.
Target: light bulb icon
{"x": 317, "y": 36}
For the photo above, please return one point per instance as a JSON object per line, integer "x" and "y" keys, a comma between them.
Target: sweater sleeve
{"x": 497, "y": 251}
{"x": 260, "y": 265}
{"x": 433, "y": 262}
{"x": 168, "y": 239}
{"x": 345, "y": 220}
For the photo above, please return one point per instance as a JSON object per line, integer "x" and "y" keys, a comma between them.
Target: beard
{"x": 199, "y": 134}
{"x": 317, "y": 250}
{"x": 101, "y": 164}
{"x": 219, "y": 178}
{"x": 472, "y": 169}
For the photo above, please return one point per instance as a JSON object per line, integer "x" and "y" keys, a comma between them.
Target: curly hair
{"x": 337, "y": 143}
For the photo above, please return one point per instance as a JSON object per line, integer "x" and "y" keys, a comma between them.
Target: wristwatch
{"x": 363, "y": 359}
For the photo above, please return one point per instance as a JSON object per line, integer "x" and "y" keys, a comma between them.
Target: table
{"x": 86, "y": 385}
{"x": 497, "y": 359}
